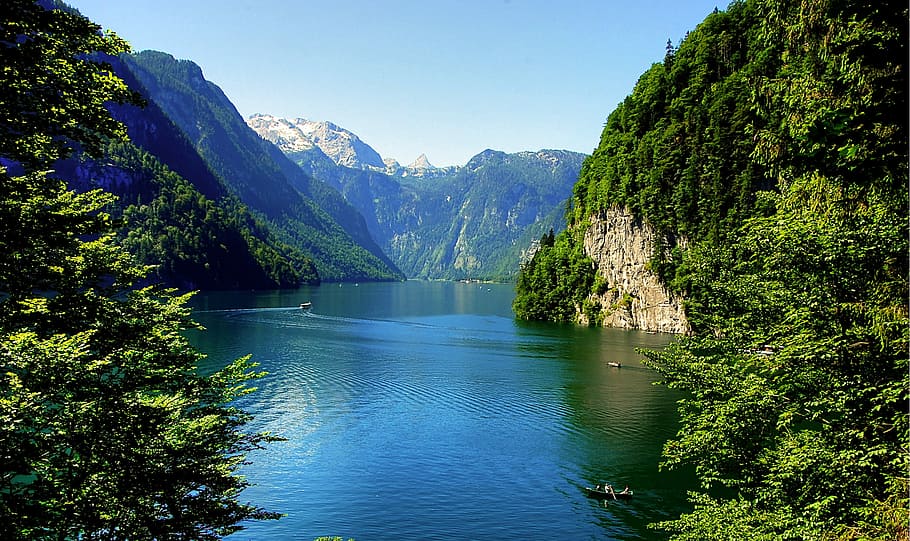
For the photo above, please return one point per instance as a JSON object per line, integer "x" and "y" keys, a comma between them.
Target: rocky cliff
{"x": 631, "y": 296}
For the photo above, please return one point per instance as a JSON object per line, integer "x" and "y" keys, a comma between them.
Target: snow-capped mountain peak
{"x": 343, "y": 147}
{"x": 339, "y": 144}
{"x": 283, "y": 133}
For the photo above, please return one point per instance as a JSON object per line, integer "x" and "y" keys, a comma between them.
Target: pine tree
{"x": 107, "y": 430}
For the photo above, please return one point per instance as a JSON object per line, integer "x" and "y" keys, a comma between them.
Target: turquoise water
{"x": 424, "y": 410}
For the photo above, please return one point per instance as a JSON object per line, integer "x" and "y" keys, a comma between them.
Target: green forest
{"x": 189, "y": 240}
{"x": 774, "y": 139}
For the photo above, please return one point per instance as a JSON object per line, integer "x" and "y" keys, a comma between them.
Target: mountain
{"x": 422, "y": 168}
{"x": 473, "y": 221}
{"x": 352, "y": 222}
{"x": 301, "y": 211}
{"x": 189, "y": 240}
{"x": 341, "y": 146}
{"x": 421, "y": 163}
{"x": 284, "y": 133}
{"x": 477, "y": 222}
{"x": 180, "y": 218}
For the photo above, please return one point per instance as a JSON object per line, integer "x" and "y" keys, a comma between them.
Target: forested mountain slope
{"x": 301, "y": 211}
{"x": 474, "y": 221}
{"x": 182, "y": 220}
{"x": 770, "y": 151}
{"x": 189, "y": 240}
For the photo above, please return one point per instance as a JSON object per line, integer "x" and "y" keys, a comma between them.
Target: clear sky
{"x": 448, "y": 78}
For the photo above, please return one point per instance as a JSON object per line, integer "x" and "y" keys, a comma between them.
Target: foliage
{"x": 40, "y": 73}
{"x": 775, "y": 139}
{"x": 549, "y": 284}
{"x": 189, "y": 240}
{"x": 677, "y": 150}
{"x": 107, "y": 431}
{"x": 196, "y": 241}
{"x": 801, "y": 405}
{"x": 799, "y": 376}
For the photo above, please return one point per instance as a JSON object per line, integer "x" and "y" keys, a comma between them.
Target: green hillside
{"x": 188, "y": 239}
{"x": 474, "y": 223}
{"x": 301, "y": 212}
{"x": 774, "y": 140}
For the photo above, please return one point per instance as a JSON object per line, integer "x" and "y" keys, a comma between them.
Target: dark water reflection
{"x": 425, "y": 411}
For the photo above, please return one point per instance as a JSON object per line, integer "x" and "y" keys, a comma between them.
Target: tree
{"x": 800, "y": 405}
{"x": 55, "y": 87}
{"x": 798, "y": 377}
{"x": 776, "y": 142}
{"x": 107, "y": 430}
{"x": 549, "y": 285}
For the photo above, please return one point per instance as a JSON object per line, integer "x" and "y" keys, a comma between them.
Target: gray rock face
{"x": 621, "y": 245}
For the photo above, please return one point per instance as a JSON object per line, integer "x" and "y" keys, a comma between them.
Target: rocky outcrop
{"x": 629, "y": 295}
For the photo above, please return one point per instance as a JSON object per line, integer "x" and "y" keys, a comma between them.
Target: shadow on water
{"x": 622, "y": 419}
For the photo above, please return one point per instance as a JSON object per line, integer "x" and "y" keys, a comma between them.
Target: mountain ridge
{"x": 303, "y": 211}
{"x": 342, "y": 146}
{"x": 477, "y": 220}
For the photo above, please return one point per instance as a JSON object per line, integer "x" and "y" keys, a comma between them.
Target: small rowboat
{"x": 607, "y": 494}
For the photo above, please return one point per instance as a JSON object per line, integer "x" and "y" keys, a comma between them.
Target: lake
{"x": 424, "y": 410}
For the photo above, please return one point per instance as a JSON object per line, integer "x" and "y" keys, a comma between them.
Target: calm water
{"x": 425, "y": 411}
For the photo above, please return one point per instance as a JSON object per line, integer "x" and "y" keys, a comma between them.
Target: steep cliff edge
{"x": 629, "y": 295}
{"x": 678, "y": 155}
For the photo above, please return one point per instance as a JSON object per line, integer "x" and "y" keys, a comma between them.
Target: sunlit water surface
{"x": 424, "y": 410}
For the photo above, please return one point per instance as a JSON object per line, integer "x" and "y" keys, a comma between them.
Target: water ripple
{"x": 446, "y": 426}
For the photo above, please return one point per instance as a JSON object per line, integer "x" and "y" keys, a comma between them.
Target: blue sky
{"x": 448, "y": 78}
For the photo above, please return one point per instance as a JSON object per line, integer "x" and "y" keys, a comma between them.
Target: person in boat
{"x": 625, "y": 490}
{"x": 610, "y": 490}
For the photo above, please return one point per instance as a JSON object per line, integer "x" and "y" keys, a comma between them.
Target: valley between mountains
{"x": 214, "y": 201}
